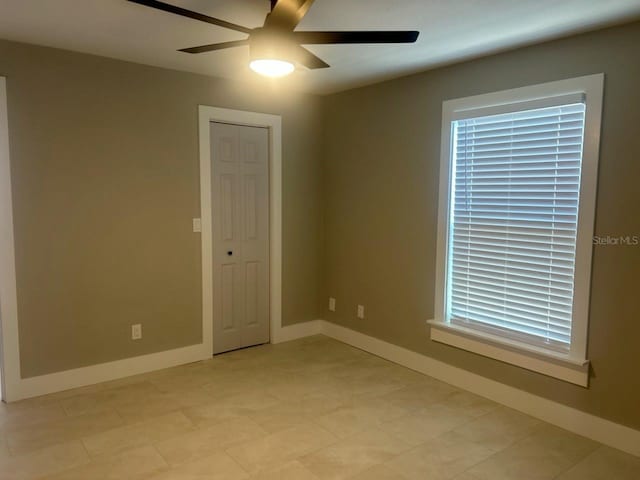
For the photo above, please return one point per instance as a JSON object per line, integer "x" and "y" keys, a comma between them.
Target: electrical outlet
{"x": 360, "y": 311}
{"x": 332, "y": 304}
{"x": 197, "y": 225}
{"x": 136, "y": 331}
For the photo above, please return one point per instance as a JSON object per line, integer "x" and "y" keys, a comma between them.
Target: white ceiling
{"x": 451, "y": 30}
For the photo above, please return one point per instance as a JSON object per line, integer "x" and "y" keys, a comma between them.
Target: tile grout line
{"x": 294, "y": 458}
{"x": 237, "y": 463}
{"x": 164, "y": 460}
{"x": 599, "y": 447}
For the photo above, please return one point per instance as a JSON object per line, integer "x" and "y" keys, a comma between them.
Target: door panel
{"x": 227, "y": 149}
{"x": 226, "y": 298}
{"x": 240, "y": 200}
{"x": 252, "y": 287}
{"x": 228, "y": 199}
{"x": 251, "y": 207}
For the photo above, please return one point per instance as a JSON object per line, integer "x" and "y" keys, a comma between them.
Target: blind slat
{"x": 515, "y": 273}
{"x": 512, "y": 290}
{"x": 513, "y": 222}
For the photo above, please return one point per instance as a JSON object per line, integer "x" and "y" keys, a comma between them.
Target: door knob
{"x": 230, "y": 253}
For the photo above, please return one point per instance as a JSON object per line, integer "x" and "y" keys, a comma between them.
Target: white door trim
{"x": 252, "y": 119}
{"x": 8, "y": 297}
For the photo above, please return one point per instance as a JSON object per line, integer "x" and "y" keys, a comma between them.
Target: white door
{"x": 240, "y": 209}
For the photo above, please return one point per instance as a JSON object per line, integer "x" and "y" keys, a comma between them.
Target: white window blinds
{"x": 513, "y": 223}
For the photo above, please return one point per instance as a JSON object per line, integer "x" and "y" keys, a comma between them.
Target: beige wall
{"x": 382, "y": 148}
{"x": 105, "y": 183}
{"x": 105, "y": 173}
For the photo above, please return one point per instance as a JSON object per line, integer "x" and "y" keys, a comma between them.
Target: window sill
{"x": 515, "y": 353}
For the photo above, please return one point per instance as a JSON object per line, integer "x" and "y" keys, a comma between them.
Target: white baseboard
{"x": 104, "y": 372}
{"x": 298, "y": 330}
{"x": 576, "y": 421}
{"x": 590, "y": 426}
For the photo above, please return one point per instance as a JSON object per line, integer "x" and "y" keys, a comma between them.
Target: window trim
{"x": 573, "y": 367}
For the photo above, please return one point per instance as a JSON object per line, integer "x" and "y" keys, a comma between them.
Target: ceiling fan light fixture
{"x": 272, "y": 53}
{"x": 272, "y": 67}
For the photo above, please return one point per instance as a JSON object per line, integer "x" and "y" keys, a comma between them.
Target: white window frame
{"x": 574, "y": 366}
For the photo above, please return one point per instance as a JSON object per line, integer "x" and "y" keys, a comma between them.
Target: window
{"x": 517, "y": 202}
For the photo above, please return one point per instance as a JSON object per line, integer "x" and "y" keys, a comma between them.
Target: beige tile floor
{"x": 311, "y": 409}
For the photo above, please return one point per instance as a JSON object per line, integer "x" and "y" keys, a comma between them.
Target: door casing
{"x": 253, "y": 119}
{"x": 9, "y": 342}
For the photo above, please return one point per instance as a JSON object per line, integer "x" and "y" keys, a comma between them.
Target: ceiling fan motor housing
{"x": 265, "y": 43}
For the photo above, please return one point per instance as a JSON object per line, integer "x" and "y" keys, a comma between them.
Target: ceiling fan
{"x": 275, "y": 47}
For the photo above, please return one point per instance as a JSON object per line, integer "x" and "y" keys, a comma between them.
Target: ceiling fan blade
{"x": 287, "y": 13}
{"x": 310, "y": 38}
{"x": 165, "y": 7}
{"x": 308, "y": 59}
{"x": 215, "y": 46}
